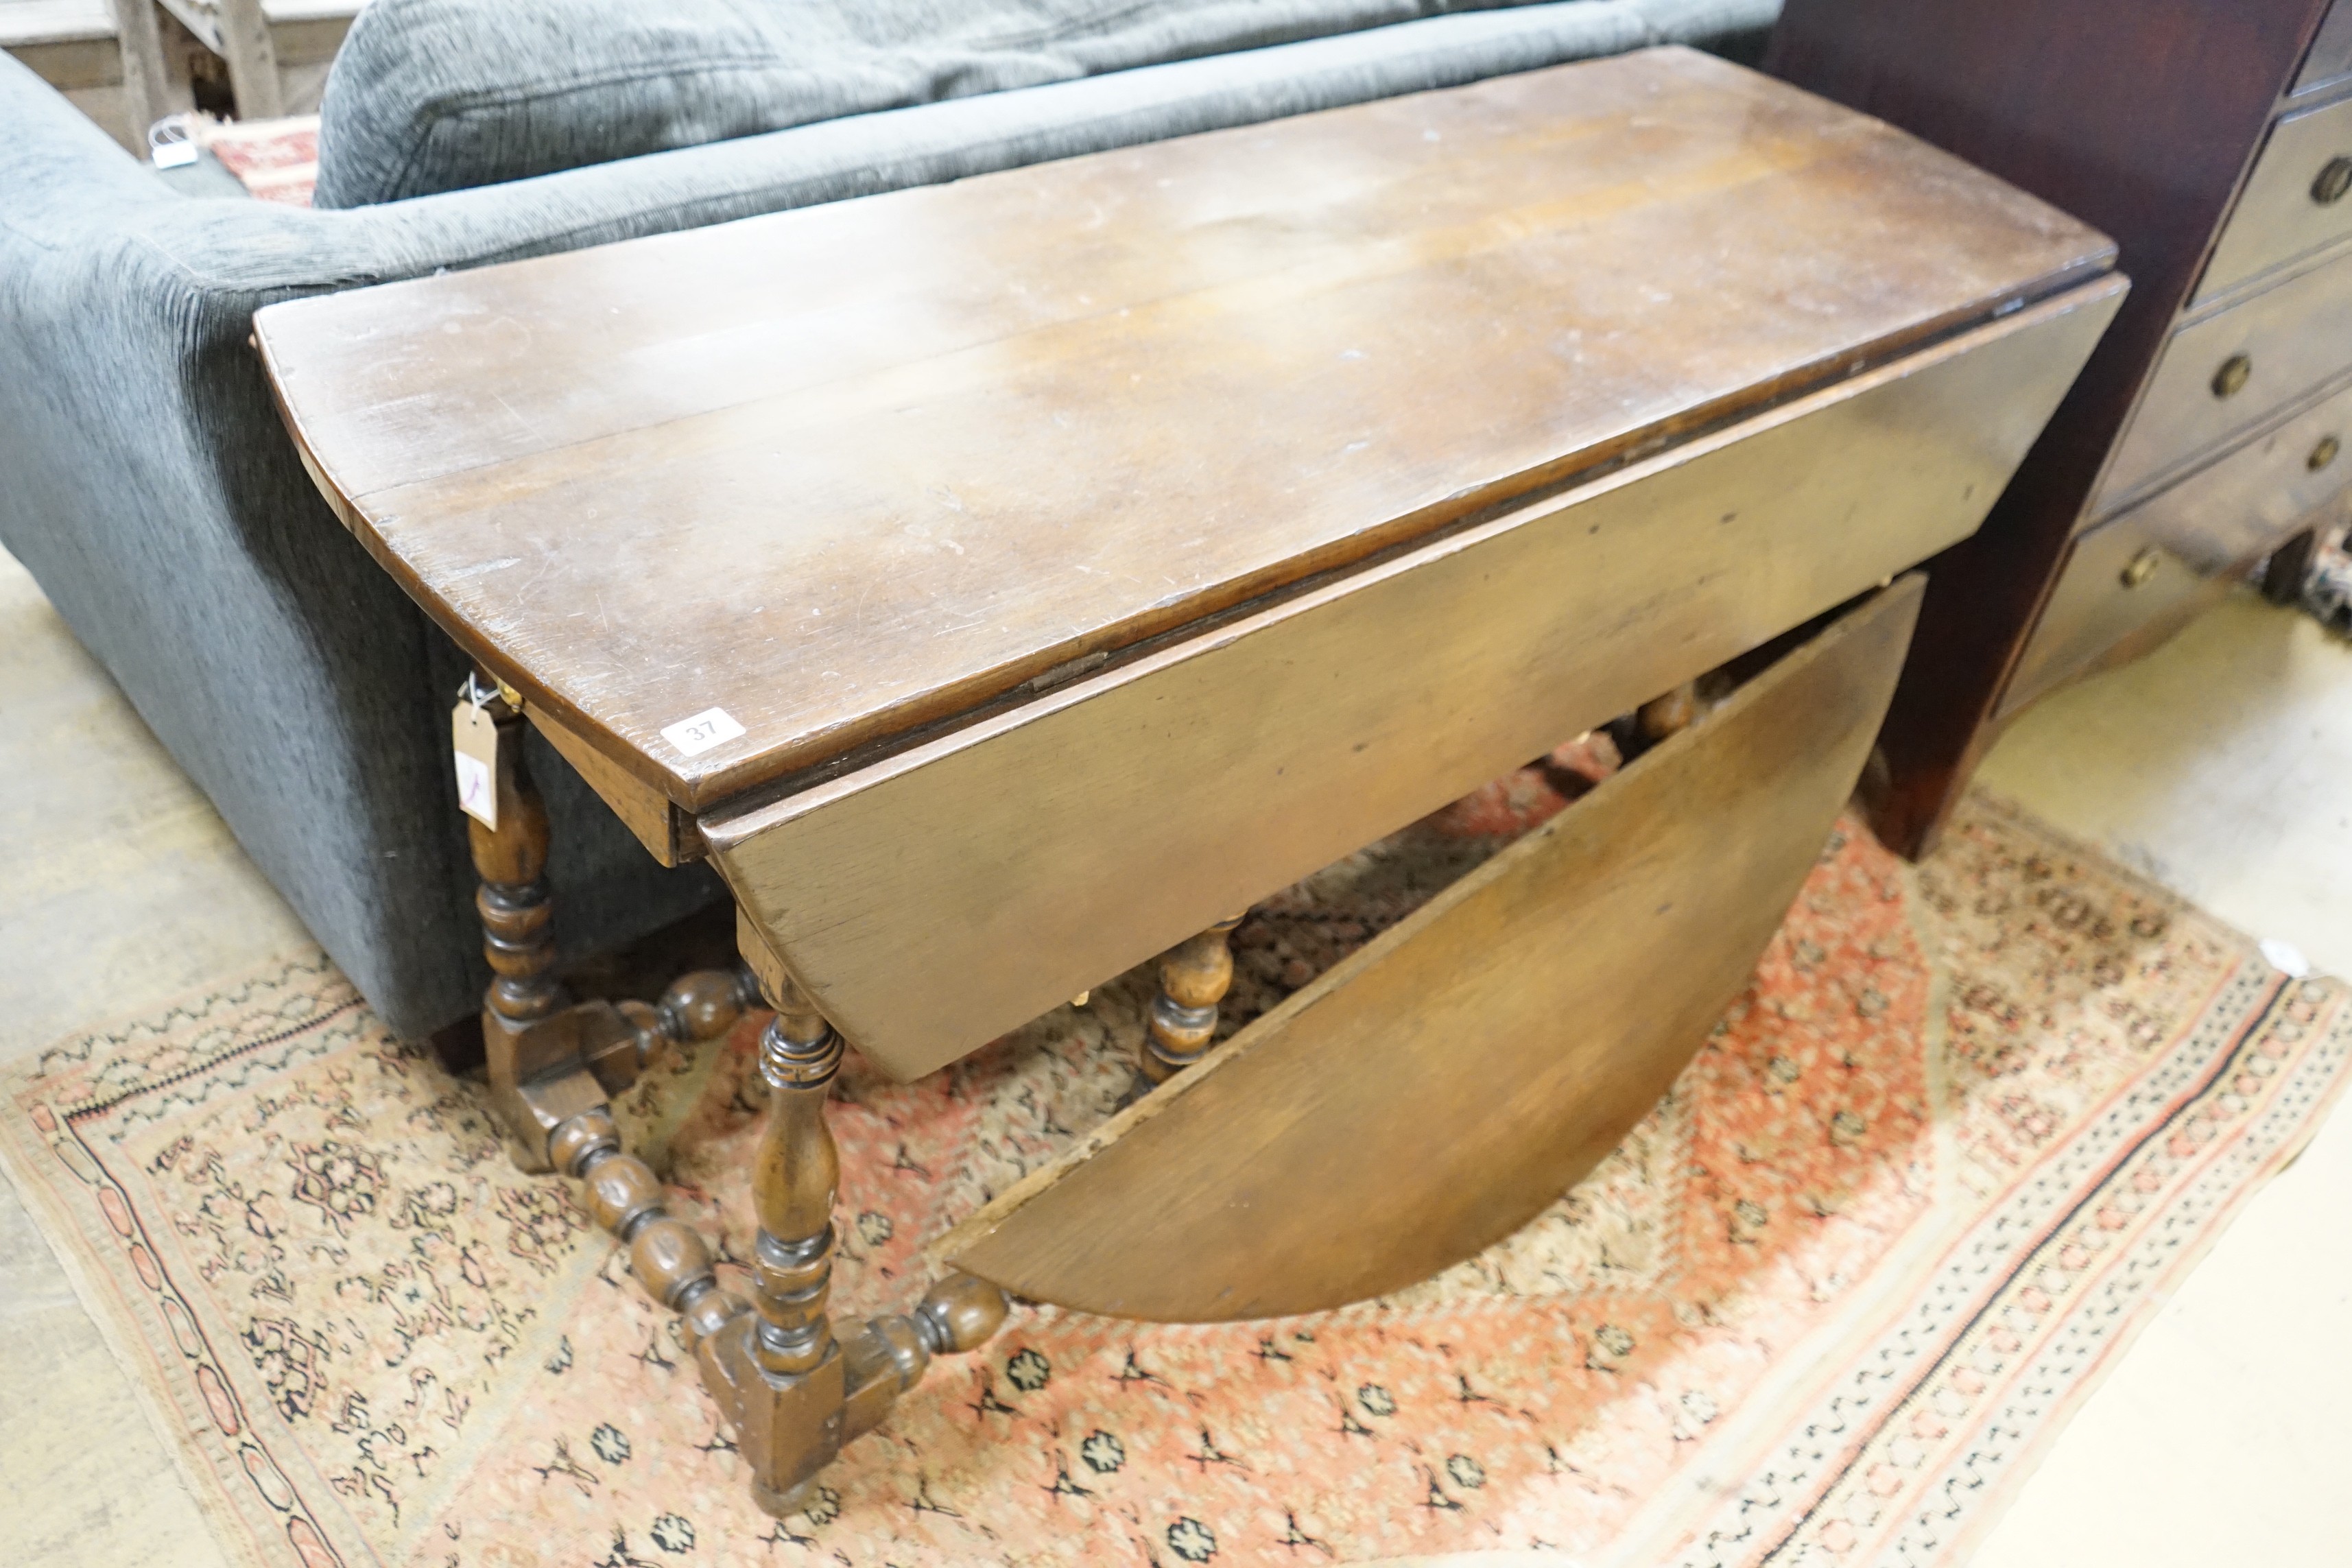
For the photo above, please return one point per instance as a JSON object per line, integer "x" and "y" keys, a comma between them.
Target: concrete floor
{"x": 2220, "y": 765}
{"x": 119, "y": 889}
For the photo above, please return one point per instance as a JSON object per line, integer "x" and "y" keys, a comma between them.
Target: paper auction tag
{"x": 474, "y": 739}
{"x": 707, "y": 729}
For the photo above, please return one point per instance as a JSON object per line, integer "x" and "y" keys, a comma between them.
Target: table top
{"x": 852, "y": 474}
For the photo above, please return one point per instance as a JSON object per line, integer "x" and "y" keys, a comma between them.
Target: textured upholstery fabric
{"x": 146, "y": 482}
{"x": 441, "y": 95}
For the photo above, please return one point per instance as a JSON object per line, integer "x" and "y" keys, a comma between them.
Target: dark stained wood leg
{"x": 781, "y": 1362}
{"x": 1195, "y": 977}
{"x": 534, "y": 1056}
{"x": 1670, "y": 714}
{"x": 666, "y": 1253}
{"x": 792, "y": 1390}
{"x": 550, "y": 1063}
{"x": 551, "y": 1066}
{"x": 516, "y": 915}
{"x": 2282, "y": 577}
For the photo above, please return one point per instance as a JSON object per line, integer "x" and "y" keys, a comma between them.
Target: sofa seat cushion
{"x": 435, "y": 95}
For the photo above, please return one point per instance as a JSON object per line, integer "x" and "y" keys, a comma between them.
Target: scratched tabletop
{"x": 732, "y": 502}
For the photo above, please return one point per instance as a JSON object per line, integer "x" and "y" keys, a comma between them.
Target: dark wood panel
{"x": 2138, "y": 116}
{"x": 1438, "y": 1089}
{"x": 887, "y": 460}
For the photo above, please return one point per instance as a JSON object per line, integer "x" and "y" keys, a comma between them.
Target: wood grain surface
{"x": 952, "y": 892}
{"x": 667, "y": 832}
{"x": 1437, "y": 1088}
{"x": 854, "y": 469}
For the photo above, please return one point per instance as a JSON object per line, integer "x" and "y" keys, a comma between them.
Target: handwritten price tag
{"x": 711, "y": 727}
{"x": 474, "y": 742}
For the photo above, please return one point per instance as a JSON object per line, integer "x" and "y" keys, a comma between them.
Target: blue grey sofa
{"x": 146, "y": 482}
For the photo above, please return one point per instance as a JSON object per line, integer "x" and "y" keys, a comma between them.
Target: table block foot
{"x": 791, "y": 1389}
{"x": 551, "y": 1060}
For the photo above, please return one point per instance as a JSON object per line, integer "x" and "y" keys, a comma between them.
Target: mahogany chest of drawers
{"x": 2213, "y": 139}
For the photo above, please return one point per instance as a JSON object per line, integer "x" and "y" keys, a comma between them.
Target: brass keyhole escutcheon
{"x": 2142, "y": 566}
{"x": 2323, "y": 454}
{"x": 2231, "y": 379}
{"x": 2333, "y": 182}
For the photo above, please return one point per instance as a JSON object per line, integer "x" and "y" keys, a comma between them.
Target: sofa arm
{"x": 151, "y": 489}
{"x": 56, "y": 167}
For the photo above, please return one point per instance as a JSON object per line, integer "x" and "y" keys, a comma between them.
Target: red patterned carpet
{"x": 1823, "y": 1307}
{"x": 273, "y": 160}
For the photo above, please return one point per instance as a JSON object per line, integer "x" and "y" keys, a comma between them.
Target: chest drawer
{"x": 2298, "y": 200}
{"x": 2227, "y": 374}
{"x": 2330, "y": 58}
{"x": 2159, "y": 561}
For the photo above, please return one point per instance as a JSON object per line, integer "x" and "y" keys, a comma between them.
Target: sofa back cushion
{"x": 438, "y": 95}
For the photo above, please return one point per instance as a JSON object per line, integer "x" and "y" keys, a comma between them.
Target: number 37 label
{"x": 707, "y": 729}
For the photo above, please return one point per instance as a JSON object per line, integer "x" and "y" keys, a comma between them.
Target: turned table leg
{"x": 516, "y": 915}
{"x": 551, "y": 1061}
{"x": 792, "y": 1390}
{"x": 530, "y": 1040}
{"x": 1669, "y": 715}
{"x": 1195, "y": 977}
{"x": 779, "y": 1367}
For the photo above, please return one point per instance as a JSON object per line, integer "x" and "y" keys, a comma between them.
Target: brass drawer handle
{"x": 2333, "y": 182}
{"x": 2142, "y": 566}
{"x": 2323, "y": 454}
{"x": 2231, "y": 379}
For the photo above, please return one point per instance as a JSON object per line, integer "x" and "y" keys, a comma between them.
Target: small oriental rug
{"x": 273, "y": 160}
{"x": 1967, "y": 1126}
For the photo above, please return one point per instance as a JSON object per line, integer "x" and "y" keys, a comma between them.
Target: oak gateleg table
{"x": 1006, "y": 582}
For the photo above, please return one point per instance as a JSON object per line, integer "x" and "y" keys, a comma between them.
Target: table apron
{"x": 937, "y": 900}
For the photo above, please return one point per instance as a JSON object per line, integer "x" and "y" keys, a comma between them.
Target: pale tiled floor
{"x": 2222, "y": 764}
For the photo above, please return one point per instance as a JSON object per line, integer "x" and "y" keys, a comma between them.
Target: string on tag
{"x": 474, "y": 745}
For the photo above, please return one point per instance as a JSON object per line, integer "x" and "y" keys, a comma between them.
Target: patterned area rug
{"x": 273, "y": 160}
{"x": 1968, "y": 1123}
